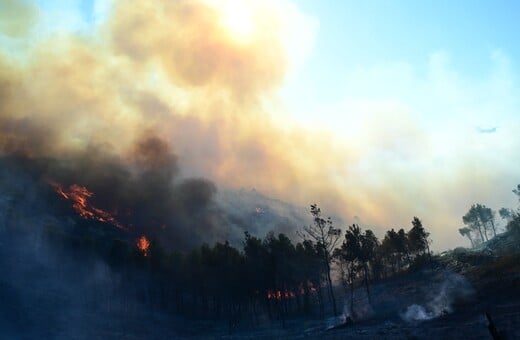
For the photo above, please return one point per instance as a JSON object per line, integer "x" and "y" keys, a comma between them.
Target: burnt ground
{"x": 456, "y": 303}
{"x": 466, "y": 320}
{"x": 455, "y": 297}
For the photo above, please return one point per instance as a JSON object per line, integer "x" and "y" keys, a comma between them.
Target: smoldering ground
{"x": 442, "y": 297}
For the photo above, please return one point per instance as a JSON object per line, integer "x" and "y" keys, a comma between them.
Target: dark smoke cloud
{"x": 159, "y": 93}
{"x": 145, "y": 194}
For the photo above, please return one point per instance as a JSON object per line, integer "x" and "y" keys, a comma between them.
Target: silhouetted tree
{"x": 465, "y": 231}
{"x": 281, "y": 260}
{"x": 487, "y": 218}
{"x": 326, "y": 238}
{"x": 369, "y": 245}
{"x": 349, "y": 256}
{"x": 506, "y": 214}
{"x": 389, "y": 250}
{"x": 418, "y": 241}
{"x": 512, "y": 217}
{"x": 472, "y": 220}
{"x": 356, "y": 255}
{"x": 513, "y": 227}
{"x": 517, "y": 191}
{"x": 403, "y": 246}
{"x": 482, "y": 219}
{"x": 256, "y": 257}
{"x": 418, "y": 237}
{"x": 395, "y": 245}
{"x": 309, "y": 264}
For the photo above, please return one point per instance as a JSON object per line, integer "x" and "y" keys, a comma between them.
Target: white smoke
{"x": 454, "y": 287}
{"x": 416, "y": 312}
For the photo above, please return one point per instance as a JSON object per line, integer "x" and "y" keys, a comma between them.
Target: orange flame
{"x": 287, "y": 294}
{"x": 143, "y": 245}
{"x": 79, "y": 196}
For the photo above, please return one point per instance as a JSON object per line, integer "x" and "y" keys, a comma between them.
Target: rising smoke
{"x": 442, "y": 297}
{"x": 157, "y": 98}
{"x": 166, "y": 67}
{"x": 106, "y": 112}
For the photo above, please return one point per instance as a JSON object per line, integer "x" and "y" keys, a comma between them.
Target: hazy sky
{"x": 379, "y": 110}
{"x": 428, "y": 90}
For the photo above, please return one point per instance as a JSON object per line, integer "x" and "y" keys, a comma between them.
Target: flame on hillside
{"x": 289, "y": 294}
{"x": 143, "y": 245}
{"x": 278, "y": 295}
{"x": 79, "y": 196}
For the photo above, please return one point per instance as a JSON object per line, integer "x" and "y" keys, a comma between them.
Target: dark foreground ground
{"x": 46, "y": 310}
{"x": 448, "y": 301}
{"x": 467, "y": 303}
{"x": 44, "y": 295}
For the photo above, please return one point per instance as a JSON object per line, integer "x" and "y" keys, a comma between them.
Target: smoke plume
{"x": 443, "y": 297}
{"x": 160, "y": 96}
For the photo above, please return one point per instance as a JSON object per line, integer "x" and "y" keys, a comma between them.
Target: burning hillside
{"x": 79, "y": 197}
{"x": 207, "y": 98}
{"x": 135, "y": 134}
{"x": 142, "y": 193}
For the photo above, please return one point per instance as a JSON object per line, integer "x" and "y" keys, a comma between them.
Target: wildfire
{"x": 143, "y": 245}
{"x": 287, "y": 294}
{"x": 278, "y": 295}
{"x": 79, "y": 196}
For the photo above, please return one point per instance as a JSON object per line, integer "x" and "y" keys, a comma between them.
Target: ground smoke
{"x": 455, "y": 287}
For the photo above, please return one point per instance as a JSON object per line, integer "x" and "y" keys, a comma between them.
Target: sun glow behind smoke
{"x": 179, "y": 74}
{"x": 206, "y": 76}
{"x": 237, "y": 17}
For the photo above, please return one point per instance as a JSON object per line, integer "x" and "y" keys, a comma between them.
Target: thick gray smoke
{"x": 144, "y": 193}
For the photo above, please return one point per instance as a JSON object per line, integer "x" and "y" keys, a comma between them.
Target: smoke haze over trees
{"x": 265, "y": 279}
{"x": 213, "y": 99}
{"x": 152, "y": 168}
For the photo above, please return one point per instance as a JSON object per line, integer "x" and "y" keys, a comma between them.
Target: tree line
{"x": 273, "y": 277}
{"x": 270, "y": 278}
{"x": 480, "y": 221}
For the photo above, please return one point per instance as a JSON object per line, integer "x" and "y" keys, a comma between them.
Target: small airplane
{"x": 487, "y": 130}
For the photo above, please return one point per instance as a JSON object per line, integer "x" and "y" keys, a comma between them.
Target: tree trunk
{"x": 365, "y": 269}
{"x": 480, "y": 232}
{"x": 485, "y": 226}
{"x": 331, "y": 291}
{"x": 493, "y": 227}
{"x": 351, "y": 282}
{"x": 320, "y": 299}
{"x": 471, "y": 241}
{"x": 306, "y": 302}
{"x": 408, "y": 258}
{"x": 429, "y": 256}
